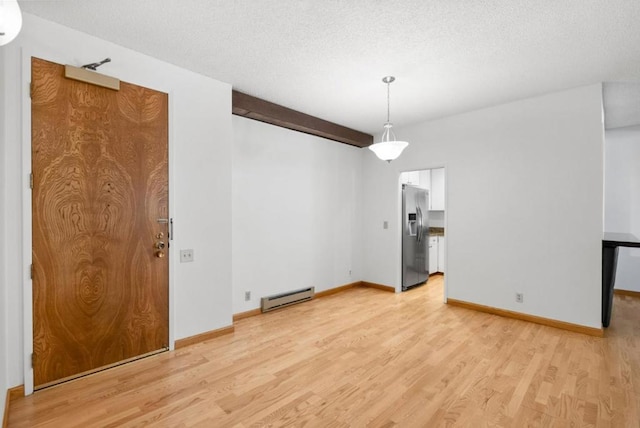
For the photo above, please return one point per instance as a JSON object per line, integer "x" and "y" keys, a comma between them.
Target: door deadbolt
{"x": 160, "y": 235}
{"x": 160, "y": 245}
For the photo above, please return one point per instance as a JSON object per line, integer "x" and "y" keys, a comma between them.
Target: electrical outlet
{"x": 186, "y": 256}
{"x": 247, "y": 296}
{"x": 519, "y": 297}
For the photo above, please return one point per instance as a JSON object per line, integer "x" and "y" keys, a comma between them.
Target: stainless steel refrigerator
{"x": 415, "y": 236}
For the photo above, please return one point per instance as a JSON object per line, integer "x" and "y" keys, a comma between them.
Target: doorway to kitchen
{"x": 423, "y": 226}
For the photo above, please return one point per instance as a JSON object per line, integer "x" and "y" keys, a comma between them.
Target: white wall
{"x": 200, "y": 170}
{"x": 628, "y": 269}
{"x": 436, "y": 219}
{"x": 524, "y": 184}
{"x": 3, "y": 283}
{"x": 296, "y": 212}
{"x": 622, "y": 199}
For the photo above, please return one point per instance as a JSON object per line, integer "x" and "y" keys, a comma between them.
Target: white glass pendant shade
{"x": 10, "y": 20}
{"x": 388, "y": 151}
{"x": 389, "y": 148}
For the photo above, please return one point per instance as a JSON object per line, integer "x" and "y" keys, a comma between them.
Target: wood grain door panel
{"x": 100, "y": 169}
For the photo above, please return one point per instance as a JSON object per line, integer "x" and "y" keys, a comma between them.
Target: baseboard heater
{"x": 286, "y": 299}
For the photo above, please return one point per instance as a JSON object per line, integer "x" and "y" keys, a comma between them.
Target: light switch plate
{"x": 186, "y": 256}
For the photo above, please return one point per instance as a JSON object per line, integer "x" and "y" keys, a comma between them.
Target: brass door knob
{"x": 159, "y": 254}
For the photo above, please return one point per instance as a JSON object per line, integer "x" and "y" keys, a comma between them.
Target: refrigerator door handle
{"x": 421, "y": 226}
{"x": 419, "y": 223}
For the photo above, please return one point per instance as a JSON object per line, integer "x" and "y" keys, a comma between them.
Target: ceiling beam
{"x": 265, "y": 111}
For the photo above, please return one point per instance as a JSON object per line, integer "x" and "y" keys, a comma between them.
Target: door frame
{"x": 27, "y": 218}
{"x": 399, "y": 219}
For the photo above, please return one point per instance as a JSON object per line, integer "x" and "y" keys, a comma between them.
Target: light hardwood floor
{"x": 366, "y": 357}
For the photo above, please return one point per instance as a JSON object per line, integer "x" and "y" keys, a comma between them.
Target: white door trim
{"x": 399, "y": 218}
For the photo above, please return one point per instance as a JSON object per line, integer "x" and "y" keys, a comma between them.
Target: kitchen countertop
{"x": 436, "y": 231}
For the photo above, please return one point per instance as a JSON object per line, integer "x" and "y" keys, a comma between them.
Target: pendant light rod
{"x": 388, "y": 80}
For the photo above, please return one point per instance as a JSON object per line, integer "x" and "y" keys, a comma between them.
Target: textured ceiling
{"x": 327, "y": 58}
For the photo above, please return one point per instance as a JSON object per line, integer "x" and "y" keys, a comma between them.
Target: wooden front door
{"x": 100, "y": 200}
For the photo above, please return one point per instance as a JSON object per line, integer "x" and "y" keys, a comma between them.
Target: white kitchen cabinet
{"x": 441, "y": 246}
{"x": 433, "y": 254}
{"x": 425, "y": 180}
{"x": 436, "y": 191}
{"x": 436, "y": 254}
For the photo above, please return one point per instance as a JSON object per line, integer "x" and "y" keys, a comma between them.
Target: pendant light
{"x": 389, "y": 148}
{"x": 10, "y": 20}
